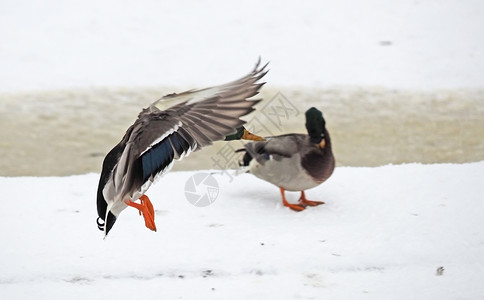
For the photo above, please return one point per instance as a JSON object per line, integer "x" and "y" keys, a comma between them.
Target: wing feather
{"x": 177, "y": 124}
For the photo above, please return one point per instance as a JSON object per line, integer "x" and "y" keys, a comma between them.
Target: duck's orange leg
{"x": 146, "y": 209}
{"x": 295, "y": 207}
{"x": 305, "y": 202}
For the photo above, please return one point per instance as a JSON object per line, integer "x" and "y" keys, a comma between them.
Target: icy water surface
{"x": 69, "y": 131}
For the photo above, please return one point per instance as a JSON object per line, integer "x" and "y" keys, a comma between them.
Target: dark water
{"x": 69, "y": 131}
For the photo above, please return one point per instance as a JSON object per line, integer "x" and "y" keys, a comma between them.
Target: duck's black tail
{"x": 245, "y": 159}
{"x": 254, "y": 150}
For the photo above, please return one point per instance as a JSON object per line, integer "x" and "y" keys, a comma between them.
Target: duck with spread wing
{"x": 169, "y": 129}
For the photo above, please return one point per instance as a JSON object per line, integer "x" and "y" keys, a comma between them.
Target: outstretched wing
{"x": 188, "y": 121}
{"x": 228, "y": 91}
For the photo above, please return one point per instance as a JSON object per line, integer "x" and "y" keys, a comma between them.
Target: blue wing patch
{"x": 156, "y": 159}
{"x": 162, "y": 154}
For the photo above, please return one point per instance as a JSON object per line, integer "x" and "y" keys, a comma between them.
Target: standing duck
{"x": 294, "y": 162}
{"x": 169, "y": 129}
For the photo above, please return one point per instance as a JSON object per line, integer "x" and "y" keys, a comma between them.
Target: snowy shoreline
{"x": 398, "y": 44}
{"x": 63, "y": 132}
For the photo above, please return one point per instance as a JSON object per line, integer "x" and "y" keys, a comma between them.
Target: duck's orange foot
{"x": 305, "y": 202}
{"x": 146, "y": 209}
{"x": 146, "y": 202}
{"x": 294, "y": 207}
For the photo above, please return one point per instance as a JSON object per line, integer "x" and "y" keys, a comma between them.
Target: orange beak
{"x": 250, "y": 136}
{"x": 322, "y": 144}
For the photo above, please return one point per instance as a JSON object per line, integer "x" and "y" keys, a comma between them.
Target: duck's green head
{"x": 315, "y": 125}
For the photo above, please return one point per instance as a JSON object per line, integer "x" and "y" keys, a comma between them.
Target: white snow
{"x": 382, "y": 234}
{"x": 403, "y": 44}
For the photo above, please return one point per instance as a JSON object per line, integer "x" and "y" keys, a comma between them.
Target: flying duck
{"x": 293, "y": 162}
{"x": 169, "y": 129}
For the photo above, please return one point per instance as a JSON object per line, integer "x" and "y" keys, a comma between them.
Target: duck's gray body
{"x": 290, "y": 161}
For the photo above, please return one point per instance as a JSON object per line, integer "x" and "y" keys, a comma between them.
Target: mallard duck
{"x": 293, "y": 162}
{"x": 169, "y": 129}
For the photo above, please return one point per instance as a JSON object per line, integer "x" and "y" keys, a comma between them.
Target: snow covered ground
{"x": 382, "y": 234}
{"x": 405, "y": 44}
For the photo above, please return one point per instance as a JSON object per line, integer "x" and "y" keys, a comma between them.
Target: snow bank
{"x": 382, "y": 233}
{"x": 404, "y": 44}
